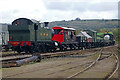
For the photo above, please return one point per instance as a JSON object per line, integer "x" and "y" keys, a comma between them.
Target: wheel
{"x": 31, "y": 49}
{"x": 65, "y": 49}
{"x": 71, "y": 48}
{"x": 6, "y": 48}
{"x": 19, "y": 51}
{"x": 54, "y": 49}
{"x": 43, "y": 48}
{"x": 26, "y": 51}
{"x": 61, "y": 48}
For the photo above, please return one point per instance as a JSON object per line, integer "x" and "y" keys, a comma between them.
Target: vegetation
{"x": 100, "y": 25}
{"x": 114, "y": 30}
{"x": 87, "y": 24}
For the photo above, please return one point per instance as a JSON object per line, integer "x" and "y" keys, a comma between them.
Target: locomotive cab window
{"x": 58, "y": 31}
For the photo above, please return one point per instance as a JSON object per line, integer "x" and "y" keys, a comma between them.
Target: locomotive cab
{"x": 64, "y": 35}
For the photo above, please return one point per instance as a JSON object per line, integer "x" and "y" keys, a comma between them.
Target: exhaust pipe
{"x": 46, "y": 24}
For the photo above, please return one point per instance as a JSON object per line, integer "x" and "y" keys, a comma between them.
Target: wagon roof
{"x": 82, "y": 33}
{"x": 25, "y": 19}
{"x": 66, "y": 28}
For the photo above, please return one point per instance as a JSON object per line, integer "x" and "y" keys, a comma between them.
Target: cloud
{"x": 54, "y": 10}
{"x": 82, "y": 6}
{"x": 64, "y": 10}
{"x": 103, "y": 6}
{"x": 21, "y": 8}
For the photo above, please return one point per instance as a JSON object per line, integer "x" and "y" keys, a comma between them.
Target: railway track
{"x": 115, "y": 69}
{"x": 7, "y": 61}
{"x": 13, "y": 54}
{"x": 93, "y": 63}
{"x": 10, "y": 60}
{"x": 60, "y": 65}
{"x": 17, "y": 54}
{"x": 85, "y": 66}
{"x": 46, "y": 55}
{"x": 23, "y": 53}
{"x": 102, "y": 56}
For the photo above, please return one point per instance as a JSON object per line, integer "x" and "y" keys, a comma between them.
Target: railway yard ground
{"x": 100, "y": 63}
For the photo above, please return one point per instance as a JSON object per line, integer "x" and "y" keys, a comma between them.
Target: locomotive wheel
{"x": 39, "y": 50}
{"x": 61, "y": 48}
{"x": 43, "y": 49}
{"x": 26, "y": 51}
{"x": 6, "y": 48}
{"x": 55, "y": 49}
{"x": 48, "y": 49}
{"x": 19, "y": 51}
{"x": 65, "y": 49}
{"x": 70, "y": 47}
{"x": 31, "y": 49}
{"x": 78, "y": 47}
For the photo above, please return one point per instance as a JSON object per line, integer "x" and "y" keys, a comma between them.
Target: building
{"x": 4, "y": 35}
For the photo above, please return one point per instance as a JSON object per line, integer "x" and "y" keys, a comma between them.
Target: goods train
{"x": 27, "y": 35}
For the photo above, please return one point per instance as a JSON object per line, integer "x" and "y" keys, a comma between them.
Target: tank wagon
{"x": 27, "y": 35}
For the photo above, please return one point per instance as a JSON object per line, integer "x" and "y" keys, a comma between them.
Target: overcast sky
{"x": 56, "y": 10}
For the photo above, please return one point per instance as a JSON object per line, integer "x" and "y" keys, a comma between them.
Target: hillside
{"x": 87, "y": 24}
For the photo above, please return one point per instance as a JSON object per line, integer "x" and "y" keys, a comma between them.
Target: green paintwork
{"x": 110, "y": 33}
{"x": 99, "y": 38}
{"x": 101, "y": 35}
{"x": 19, "y": 33}
{"x": 43, "y": 34}
{"x": 24, "y": 31}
